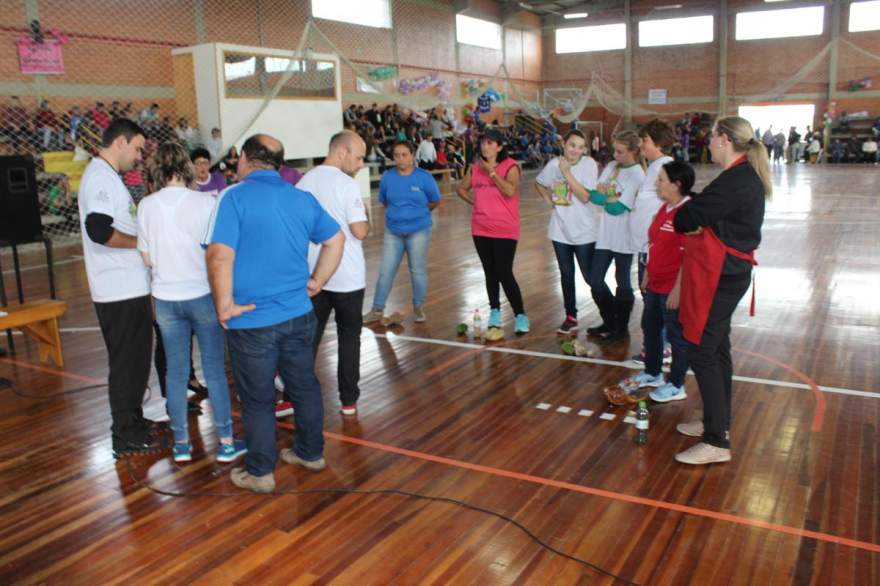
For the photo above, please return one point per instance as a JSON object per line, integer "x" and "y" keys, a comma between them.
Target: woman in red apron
{"x": 723, "y": 225}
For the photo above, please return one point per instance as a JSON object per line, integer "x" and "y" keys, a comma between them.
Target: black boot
{"x": 623, "y": 305}
{"x": 606, "y": 311}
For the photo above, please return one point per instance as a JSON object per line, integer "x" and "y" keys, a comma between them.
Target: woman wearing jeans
{"x": 171, "y": 224}
{"x": 564, "y": 184}
{"x": 494, "y": 180}
{"x": 408, "y": 194}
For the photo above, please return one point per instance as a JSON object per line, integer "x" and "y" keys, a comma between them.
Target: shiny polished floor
{"x": 513, "y": 428}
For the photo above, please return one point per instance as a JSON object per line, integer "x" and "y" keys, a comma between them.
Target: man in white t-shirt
{"x": 334, "y": 187}
{"x": 426, "y": 155}
{"x": 119, "y": 283}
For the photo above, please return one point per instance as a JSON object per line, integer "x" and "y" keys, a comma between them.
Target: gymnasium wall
{"x": 690, "y": 73}
{"x": 121, "y": 50}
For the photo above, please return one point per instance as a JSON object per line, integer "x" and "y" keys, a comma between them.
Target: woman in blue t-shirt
{"x": 408, "y": 194}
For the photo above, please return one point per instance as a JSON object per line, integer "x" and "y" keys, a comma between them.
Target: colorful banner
{"x": 44, "y": 58}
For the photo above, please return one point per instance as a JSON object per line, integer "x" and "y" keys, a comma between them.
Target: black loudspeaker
{"x": 19, "y": 207}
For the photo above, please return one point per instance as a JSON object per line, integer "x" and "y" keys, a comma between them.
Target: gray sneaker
{"x": 419, "y": 312}
{"x": 691, "y": 428}
{"x": 373, "y": 315}
{"x": 290, "y": 457}
{"x": 243, "y": 479}
{"x": 703, "y": 453}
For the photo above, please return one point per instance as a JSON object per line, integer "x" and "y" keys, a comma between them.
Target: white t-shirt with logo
{"x": 572, "y": 222}
{"x": 114, "y": 274}
{"x": 340, "y": 196}
{"x": 646, "y": 205}
{"x": 171, "y": 225}
{"x": 614, "y": 230}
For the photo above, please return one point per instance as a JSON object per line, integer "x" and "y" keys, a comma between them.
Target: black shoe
{"x": 147, "y": 444}
{"x": 195, "y": 386}
{"x": 615, "y": 337}
{"x": 150, "y": 426}
{"x": 599, "y": 330}
{"x": 193, "y": 407}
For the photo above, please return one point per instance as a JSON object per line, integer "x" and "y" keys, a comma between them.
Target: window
{"x": 255, "y": 76}
{"x": 475, "y": 31}
{"x": 677, "y": 31}
{"x": 777, "y": 24}
{"x": 864, "y": 16}
{"x": 583, "y": 39}
{"x": 375, "y": 13}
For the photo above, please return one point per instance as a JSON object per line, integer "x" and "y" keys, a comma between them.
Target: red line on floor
{"x": 819, "y": 413}
{"x": 609, "y": 494}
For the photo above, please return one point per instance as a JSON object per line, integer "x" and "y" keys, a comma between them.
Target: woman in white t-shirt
{"x": 171, "y": 224}
{"x": 615, "y": 196}
{"x": 565, "y": 184}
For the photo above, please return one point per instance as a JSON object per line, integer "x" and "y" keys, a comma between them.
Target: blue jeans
{"x": 655, "y": 318}
{"x": 257, "y": 353}
{"x": 565, "y": 255}
{"x": 416, "y": 247}
{"x": 177, "y": 321}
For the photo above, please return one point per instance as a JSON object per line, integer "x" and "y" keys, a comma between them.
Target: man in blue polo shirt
{"x": 258, "y": 268}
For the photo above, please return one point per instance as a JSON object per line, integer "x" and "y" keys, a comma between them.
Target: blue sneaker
{"x": 643, "y": 379}
{"x": 228, "y": 452}
{"x": 182, "y": 452}
{"x": 667, "y": 393}
{"x": 522, "y": 324}
{"x": 494, "y": 318}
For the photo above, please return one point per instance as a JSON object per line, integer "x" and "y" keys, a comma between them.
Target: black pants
{"x": 128, "y": 333}
{"x": 496, "y": 256}
{"x": 711, "y": 361}
{"x": 348, "y": 311}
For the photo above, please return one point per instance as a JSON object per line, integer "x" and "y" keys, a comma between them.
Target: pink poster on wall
{"x": 44, "y": 58}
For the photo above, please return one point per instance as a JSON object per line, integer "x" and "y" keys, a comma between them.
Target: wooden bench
{"x": 445, "y": 180}
{"x": 39, "y": 320}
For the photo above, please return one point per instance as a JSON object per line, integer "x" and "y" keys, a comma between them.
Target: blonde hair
{"x": 171, "y": 160}
{"x": 741, "y": 134}
{"x": 630, "y": 139}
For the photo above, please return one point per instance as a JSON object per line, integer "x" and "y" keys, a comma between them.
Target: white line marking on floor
{"x": 629, "y": 419}
{"x": 585, "y": 412}
{"x": 543, "y": 406}
{"x": 563, "y": 409}
{"x": 627, "y": 364}
{"x": 74, "y": 258}
{"x": 607, "y": 416}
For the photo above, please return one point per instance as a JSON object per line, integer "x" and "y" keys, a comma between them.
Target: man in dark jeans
{"x": 339, "y": 194}
{"x": 258, "y": 268}
{"x": 119, "y": 283}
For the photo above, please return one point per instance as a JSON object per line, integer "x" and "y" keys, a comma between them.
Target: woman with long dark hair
{"x": 723, "y": 228}
{"x": 491, "y": 185}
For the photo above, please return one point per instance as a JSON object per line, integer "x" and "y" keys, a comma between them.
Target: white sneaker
{"x": 703, "y": 453}
{"x": 691, "y": 428}
{"x": 279, "y": 384}
{"x": 668, "y": 392}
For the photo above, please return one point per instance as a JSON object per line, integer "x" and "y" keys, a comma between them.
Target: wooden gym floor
{"x": 513, "y": 428}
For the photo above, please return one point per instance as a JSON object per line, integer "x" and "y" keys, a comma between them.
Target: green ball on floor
{"x": 568, "y": 348}
{"x": 461, "y": 329}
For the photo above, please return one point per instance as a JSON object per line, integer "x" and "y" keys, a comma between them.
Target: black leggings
{"x": 496, "y": 255}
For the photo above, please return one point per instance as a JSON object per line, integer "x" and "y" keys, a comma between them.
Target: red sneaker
{"x": 283, "y": 408}
{"x": 349, "y": 410}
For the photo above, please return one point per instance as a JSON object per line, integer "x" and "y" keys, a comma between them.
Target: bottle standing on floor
{"x": 641, "y": 435}
{"x": 409, "y": 195}
{"x": 723, "y": 228}
{"x": 615, "y": 195}
{"x": 491, "y": 186}
{"x": 564, "y": 184}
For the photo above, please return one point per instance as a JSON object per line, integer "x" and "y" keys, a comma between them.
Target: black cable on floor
{"x": 384, "y": 491}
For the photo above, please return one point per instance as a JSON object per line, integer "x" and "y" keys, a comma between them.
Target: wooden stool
{"x": 39, "y": 320}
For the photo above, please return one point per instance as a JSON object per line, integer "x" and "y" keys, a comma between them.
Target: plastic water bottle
{"x": 641, "y": 437}
{"x": 478, "y": 324}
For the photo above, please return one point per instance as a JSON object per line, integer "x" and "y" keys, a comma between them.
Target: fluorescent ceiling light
{"x": 575, "y": 15}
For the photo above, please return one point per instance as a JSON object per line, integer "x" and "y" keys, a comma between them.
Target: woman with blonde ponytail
{"x": 723, "y": 228}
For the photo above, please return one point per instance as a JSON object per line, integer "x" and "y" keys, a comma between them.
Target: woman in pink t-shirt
{"x": 491, "y": 186}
